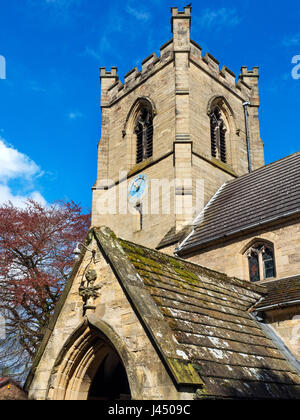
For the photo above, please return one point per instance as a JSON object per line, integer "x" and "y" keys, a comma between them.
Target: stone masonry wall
{"x": 182, "y": 84}
{"x": 113, "y": 308}
{"x": 155, "y": 224}
{"x": 286, "y": 324}
{"x": 228, "y": 257}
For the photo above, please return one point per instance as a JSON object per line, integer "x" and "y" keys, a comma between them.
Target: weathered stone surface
{"x": 181, "y": 87}
{"x": 173, "y": 324}
{"x": 181, "y": 331}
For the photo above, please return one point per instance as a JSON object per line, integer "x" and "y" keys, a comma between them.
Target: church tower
{"x": 172, "y": 135}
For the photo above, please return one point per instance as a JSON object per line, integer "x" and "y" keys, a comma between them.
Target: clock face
{"x": 137, "y": 188}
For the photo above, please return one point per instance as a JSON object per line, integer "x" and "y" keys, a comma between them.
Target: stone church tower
{"x": 221, "y": 321}
{"x": 178, "y": 129}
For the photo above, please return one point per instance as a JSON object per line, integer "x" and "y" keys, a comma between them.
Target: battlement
{"x": 250, "y": 78}
{"x": 250, "y": 73}
{"x": 174, "y": 94}
{"x": 241, "y": 84}
{"x": 228, "y": 75}
{"x": 149, "y": 62}
{"x": 114, "y": 89}
{"x": 113, "y": 73}
{"x": 185, "y": 13}
{"x": 211, "y": 61}
{"x": 153, "y": 63}
{"x": 131, "y": 75}
{"x": 211, "y": 65}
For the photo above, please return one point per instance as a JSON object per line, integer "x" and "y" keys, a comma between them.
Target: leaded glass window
{"x": 218, "y": 135}
{"x": 261, "y": 262}
{"x": 254, "y": 267}
{"x": 268, "y": 261}
{"x": 144, "y": 135}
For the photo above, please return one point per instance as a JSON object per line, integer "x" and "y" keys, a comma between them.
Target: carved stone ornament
{"x": 91, "y": 277}
{"x": 87, "y": 290}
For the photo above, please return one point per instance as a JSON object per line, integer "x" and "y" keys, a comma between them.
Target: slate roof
{"x": 281, "y": 293}
{"x": 263, "y": 196}
{"x": 199, "y": 322}
{"x": 172, "y": 237}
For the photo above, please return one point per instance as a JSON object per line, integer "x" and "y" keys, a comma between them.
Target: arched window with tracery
{"x": 144, "y": 134}
{"x": 218, "y": 135}
{"x": 138, "y": 130}
{"x": 261, "y": 259}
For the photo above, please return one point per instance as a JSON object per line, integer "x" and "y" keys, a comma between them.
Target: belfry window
{"x": 144, "y": 134}
{"x": 261, "y": 262}
{"x": 218, "y": 135}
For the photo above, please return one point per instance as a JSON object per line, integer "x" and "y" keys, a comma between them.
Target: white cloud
{"x": 34, "y": 85}
{"x": 75, "y": 115}
{"x": 218, "y": 17}
{"x": 61, "y": 4}
{"x": 54, "y": 11}
{"x": 6, "y": 195}
{"x": 292, "y": 40}
{"x": 16, "y": 166}
{"x": 90, "y": 52}
{"x": 37, "y": 196}
{"x": 115, "y": 22}
{"x": 138, "y": 14}
{"x": 104, "y": 45}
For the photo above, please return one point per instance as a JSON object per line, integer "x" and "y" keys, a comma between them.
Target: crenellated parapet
{"x": 112, "y": 74}
{"x": 179, "y": 49}
{"x": 107, "y": 79}
{"x": 212, "y": 62}
{"x": 181, "y": 28}
{"x": 115, "y": 89}
{"x": 228, "y": 76}
{"x": 177, "y": 115}
{"x": 208, "y": 63}
{"x": 251, "y": 77}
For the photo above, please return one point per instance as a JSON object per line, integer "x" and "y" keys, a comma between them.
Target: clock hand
{"x": 136, "y": 186}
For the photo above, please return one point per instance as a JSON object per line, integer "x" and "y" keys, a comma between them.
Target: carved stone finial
{"x": 91, "y": 277}
{"x": 87, "y": 290}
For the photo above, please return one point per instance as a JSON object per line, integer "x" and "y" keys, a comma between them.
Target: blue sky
{"x": 50, "y": 120}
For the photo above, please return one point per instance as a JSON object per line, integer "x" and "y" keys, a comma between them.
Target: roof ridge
{"x": 247, "y": 228}
{"x": 202, "y": 213}
{"x": 264, "y": 196}
{"x": 296, "y": 154}
{"x": 231, "y": 280}
{"x": 295, "y": 276}
{"x": 209, "y": 204}
{"x": 243, "y": 178}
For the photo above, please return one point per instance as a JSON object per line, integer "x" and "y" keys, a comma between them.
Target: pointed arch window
{"x": 218, "y": 135}
{"x": 261, "y": 260}
{"x": 144, "y": 134}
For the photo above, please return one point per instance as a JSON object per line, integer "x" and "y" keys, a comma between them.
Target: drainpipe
{"x": 278, "y": 305}
{"x": 245, "y": 105}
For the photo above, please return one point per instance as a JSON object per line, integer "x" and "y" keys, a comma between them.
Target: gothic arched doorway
{"x": 110, "y": 381}
{"x": 91, "y": 367}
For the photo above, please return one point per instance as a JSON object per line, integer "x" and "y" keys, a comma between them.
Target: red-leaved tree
{"x": 36, "y": 245}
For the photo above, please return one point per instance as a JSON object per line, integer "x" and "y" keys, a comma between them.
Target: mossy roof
{"x": 281, "y": 293}
{"x": 199, "y": 322}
